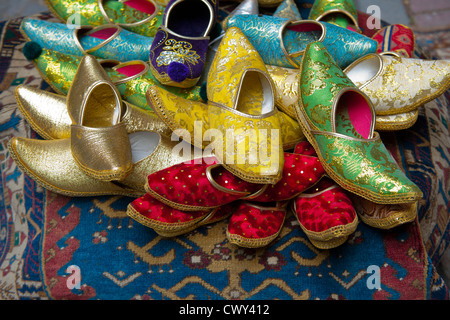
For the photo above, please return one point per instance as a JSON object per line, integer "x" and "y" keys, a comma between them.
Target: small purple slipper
{"x": 178, "y": 51}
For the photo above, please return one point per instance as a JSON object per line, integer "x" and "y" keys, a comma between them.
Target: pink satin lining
{"x": 131, "y": 69}
{"x": 358, "y": 111}
{"x": 103, "y": 34}
{"x": 141, "y": 5}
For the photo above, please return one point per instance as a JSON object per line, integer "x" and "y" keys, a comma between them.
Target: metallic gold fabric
{"x": 51, "y": 164}
{"x": 99, "y": 141}
{"x": 47, "y": 114}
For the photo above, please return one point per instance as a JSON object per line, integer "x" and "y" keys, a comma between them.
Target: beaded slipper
{"x": 106, "y": 41}
{"x": 326, "y": 214}
{"x": 194, "y": 186}
{"x": 300, "y": 172}
{"x": 256, "y": 225}
{"x": 139, "y": 16}
{"x": 282, "y": 42}
{"x": 411, "y": 82}
{"x": 178, "y": 52}
{"x": 338, "y": 120}
{"x": 170, "y": 222}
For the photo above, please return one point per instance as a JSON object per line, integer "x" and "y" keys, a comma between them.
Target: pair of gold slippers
{"x": 95, "y": 143}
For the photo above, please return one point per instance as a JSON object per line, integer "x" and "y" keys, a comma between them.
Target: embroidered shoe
{"x": 256, "y": 225}
{"x": 286, "y": 82}
{"x": 326, "y": 214}
{"x": 132, "y": 78}
{"x": 282, "y": 42}
{"x": 139, "y": 16}
{"x": 242, "y": 109}
{"x": 288, "y": 10}
{"x": 412, "y": 82}
{"x": 107, "y": 41}
{"x": 243, "y": 105}
{"x": 190, "y": 119}
{"x": 338, "y": 120}
{"x": 178, "y": 52}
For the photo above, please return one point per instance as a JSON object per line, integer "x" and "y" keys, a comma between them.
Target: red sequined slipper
{"x": 170, "y": 222}
{"x": 325, "y": 214}
{"x": 256, "y": 225}
{"x": 300, "y": 172}
{"x": 199, "y": 185}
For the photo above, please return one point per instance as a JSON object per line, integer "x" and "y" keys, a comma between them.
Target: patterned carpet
{"x": 42, "y": 234}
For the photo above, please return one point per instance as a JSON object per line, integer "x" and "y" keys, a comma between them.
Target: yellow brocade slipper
{"x": 398, "y": 85}
{"x": 47, "y": 114}
{"x": 241, "y": 100}
{"x": 244, "y": 126}
{"x": 51, "y": 164}
{"x": 99, "y": 140}
{"x": 190, "y": 119}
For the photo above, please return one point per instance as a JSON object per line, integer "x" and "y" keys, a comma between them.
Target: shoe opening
{"x": 142, "y": 5}
{"x": 364, "y": 71}
{"x": 190, "y": 18}
{"x": 256, "y": 95}
{"x": 353, "y": 116}
{"x": 103, "y": 107}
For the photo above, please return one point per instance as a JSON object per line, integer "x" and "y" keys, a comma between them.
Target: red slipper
{"x": 255, "y": 226}
{"x": 325, "y": 214}
{"x": 300, "y": 172}
{"x": 170, "y": 222}
{"x": 396, "y": 38}
{"x": 197, "y": 186}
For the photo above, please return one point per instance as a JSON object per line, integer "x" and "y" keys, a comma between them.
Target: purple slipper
{"x": 178, "y": 51}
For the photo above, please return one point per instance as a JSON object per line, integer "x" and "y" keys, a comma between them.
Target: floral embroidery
{"x": 177, "y": 51}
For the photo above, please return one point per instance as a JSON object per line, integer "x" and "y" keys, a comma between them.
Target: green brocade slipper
{"x": 338, "y": 120}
